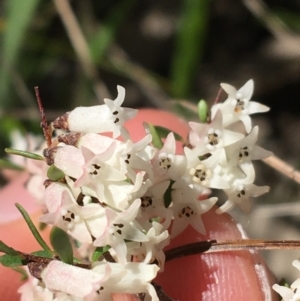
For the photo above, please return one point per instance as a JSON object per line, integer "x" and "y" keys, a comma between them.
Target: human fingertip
{"x": 231, "y": 275}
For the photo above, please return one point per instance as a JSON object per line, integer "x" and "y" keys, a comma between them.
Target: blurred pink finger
{"x": 15, "y": 192}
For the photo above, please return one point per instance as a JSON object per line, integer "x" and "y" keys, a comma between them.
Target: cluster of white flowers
{"x": 132, "y": 198}
{"x": 292, "y": 293}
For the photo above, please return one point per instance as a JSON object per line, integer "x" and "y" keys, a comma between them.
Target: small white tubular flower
{"x": 241, "y": 189}
{"x": 96, "y": 143}
{"x": 200, "y": 174}
{"x": 69, "y": 159}
{"x": 130, "y": 278}
{"x": 120, "y": 194}
{"x": 121, "y": 226}
{"x": 73, "y": 280}
{"x": 65, "y": 213}
{"x": 187, "y": 210}
{"x": 238, "y": 105}
{"x": 286, "y": 293}
{"x": 245, "y": 150}
{"x": 131, "y": 157}
{"x": 152, "y": 205}
{"x": 212, "y": 136}
{"x": 166, "y": 164}
{"x": 152, "y": 250}
{"x": 33, "y": 291}
{"x": 118, "y": 114}
{"x": 296, "y": 283}
{"x": 96, "y": 173}
{"x": 94, "y": 217}
{"x": 293, "y": 293}
{"x": 101, "y": 119}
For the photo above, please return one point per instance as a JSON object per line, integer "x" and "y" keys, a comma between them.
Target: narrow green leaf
{"x": 156, "y": 140}
{"x": 7, "y": 250}
{"x": 62, "y": 246}
{"x": 6, "y": 164}
{"x": 19, "y": 14}
{"x": 164, "y": 132}
{"x": 168, "y": 195}
{"x": 24, "y": 154}
{"x": 98, "y": 252}
{"x": 202, "y": 110}
{"x": 190, "y": 42}
{"x": 32, "y": 228}
{"x": 42, "y": 253}
{"x": 24, "y": 275}
{"x": 55, "y": 174}
{"x": 12, "y": 260}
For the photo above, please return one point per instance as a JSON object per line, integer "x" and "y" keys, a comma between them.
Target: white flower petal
{"x": 79, "y": 282}
{"x": 286, "y": 293}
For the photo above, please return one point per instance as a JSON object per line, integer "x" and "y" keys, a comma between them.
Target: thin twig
{"x": 44, "y": 123}
{"x": 230, "y": 245}
{"x": 276, "y": 210}
{"x": 274, "y": 24}
{"x": 284, "y": 168}
{"x": 80, "y": 46}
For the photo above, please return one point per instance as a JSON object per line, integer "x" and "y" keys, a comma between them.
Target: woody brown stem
{"x": 230, "y": 245}
{"x": 44, "y": 123}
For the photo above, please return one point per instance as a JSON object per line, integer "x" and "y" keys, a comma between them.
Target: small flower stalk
{"x": 121, "y": 202}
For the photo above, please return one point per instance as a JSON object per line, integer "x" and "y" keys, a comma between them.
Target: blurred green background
{"x": 167, "y": 54}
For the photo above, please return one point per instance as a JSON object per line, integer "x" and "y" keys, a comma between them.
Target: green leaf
{"x": 290, "y": 18}
{"x": 164, "y": 132}
{"x": 42, "y": 226}
{"x": 62, "y": 246}
{"x": 98, "y": 252}
{"x": 32, "y": 228}
{"x": 6, "y": 164}
{"x": 7, "y": 250}
{"x": 202, "y": 110}
{"x": 190, "y": 42}
{"x": 12, "y": 260}
{"x": 168, "y": 195}
{"x": 24, "y": 154}
{"x": 43, "y": 253}
{"x": 19, "y": 14}
{"x": 156, "y": 140}
{"x": 55, "y": 174}
{"x": 24, "y": 275}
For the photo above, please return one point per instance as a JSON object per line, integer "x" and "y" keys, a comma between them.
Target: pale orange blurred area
{"x": 16, "y": 192}
{"x": 159, "y": 118}
{"x": 18, "y": 236}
